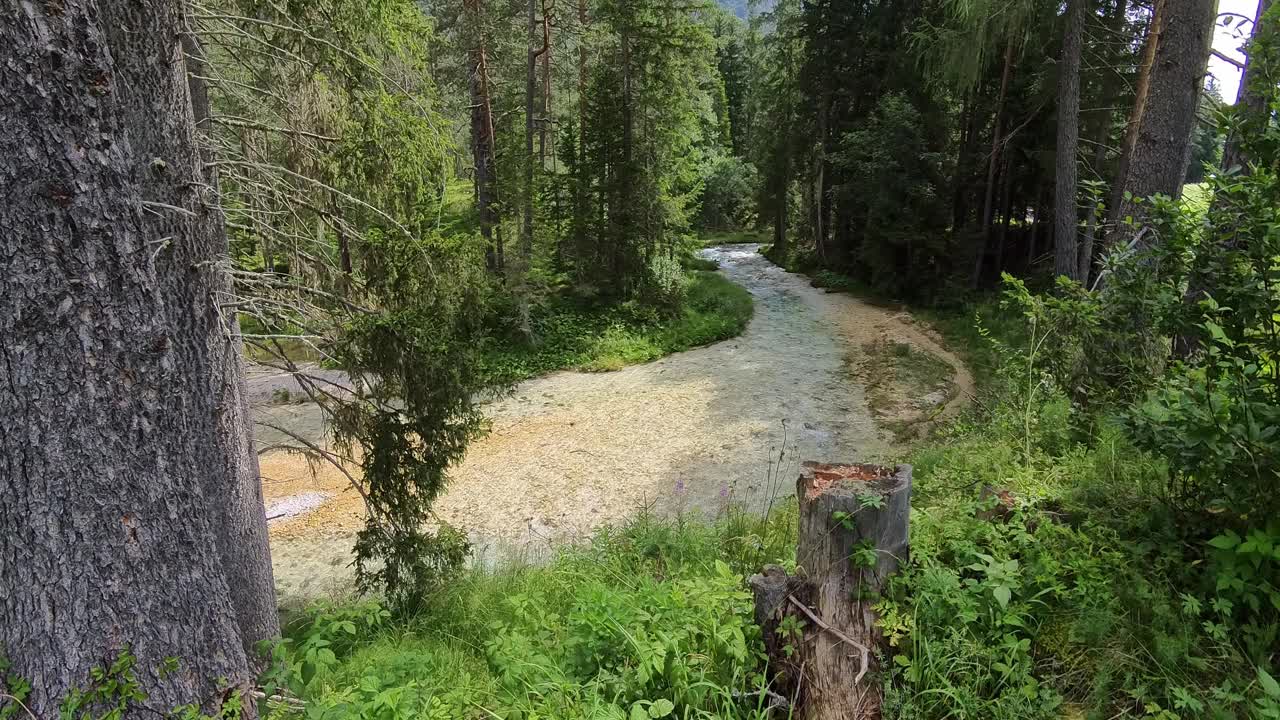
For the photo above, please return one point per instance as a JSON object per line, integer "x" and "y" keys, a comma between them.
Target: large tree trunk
{"x": 128, "y": 491}
{"x": 245, "y": 549}
{"x": 853, "y": 536}
{"x": 1066, "y": 254}
{"x": 1140, "y": 92}
{"x": 1158, "y": 162}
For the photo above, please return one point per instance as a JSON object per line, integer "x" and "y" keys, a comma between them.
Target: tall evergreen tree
{"x": 130, "y": 476}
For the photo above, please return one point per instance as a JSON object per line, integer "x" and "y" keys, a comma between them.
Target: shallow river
{"x": 689, "y": 433}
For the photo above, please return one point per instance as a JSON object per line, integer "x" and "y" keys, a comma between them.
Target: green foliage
{"x": 1083, "y": 594}
{"x": 341, "y": 208}
{"x": 111, "y": 694}
{"x": 647, "y": 621}
{"x": 1215, "y": 415}
{"x": 728, "y": 195}
{"x": 417, "y": 414}
{"x": 648, "y": 124}
{"x": 1207, "y": 279}
{"x": 609, "y": 338}
{"x": 892, "y": 190}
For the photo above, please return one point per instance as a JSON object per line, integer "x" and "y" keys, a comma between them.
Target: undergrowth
{"x": 1049, "y": 577}
{"x": 571, "y": 335}
{"x": 1071, "y": 593}
{"x": 650, "y": 620}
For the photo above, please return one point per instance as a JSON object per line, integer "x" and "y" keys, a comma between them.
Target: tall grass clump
{"x": 651, "y": 620}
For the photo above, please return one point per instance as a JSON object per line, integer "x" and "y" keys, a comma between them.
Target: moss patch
{"x": 906, "y": 386}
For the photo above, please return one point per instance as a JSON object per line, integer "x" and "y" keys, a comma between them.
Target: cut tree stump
{"x": 820, "y": 626}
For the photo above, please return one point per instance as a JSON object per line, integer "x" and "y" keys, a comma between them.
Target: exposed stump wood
{"x": 854, "y": 522}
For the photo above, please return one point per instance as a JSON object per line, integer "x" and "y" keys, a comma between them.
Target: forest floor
{"x": 816, "y": 375}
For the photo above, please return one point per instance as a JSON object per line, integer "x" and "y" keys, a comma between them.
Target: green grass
{"x": 605, "y": 339}
{"x": 650, "y": 615}
{"x": 917, "y": 368}
{"x": 1196, "y": 198}
{"x": 733, "y": 237}
{"x": 1085, "y": 599}
{"x": 458, "y": 214}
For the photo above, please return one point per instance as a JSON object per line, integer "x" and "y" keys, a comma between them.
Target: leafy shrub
{"x": 664, "y": 285}
{"x": 984, "y": 602}
{"x": 1095, "y": 592}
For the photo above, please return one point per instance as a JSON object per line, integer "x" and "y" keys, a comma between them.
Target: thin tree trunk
{"x": 544, "y": 124}
{"x": 997, "y": 137}
{"x": 526, "y": 228}
{"x": 1109, "y": 93}
{"x": 959, "y": 208}
{"x": 482, "y": 133}
{"x": 623, "y": 213}
{"x": 819, "y": 181}
{"x": 130, "y": 476}
{"x": 1035, "y": 231}
{"x": 1066, "y": 252}
{"x": 1006, "y": 209}
{"x": 1252, "y": 104}
{"x": 1085, "y": 255}
{"x": 581, "y": 212}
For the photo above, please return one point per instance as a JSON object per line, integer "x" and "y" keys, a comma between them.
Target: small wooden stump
{"x": 819, "y": 626}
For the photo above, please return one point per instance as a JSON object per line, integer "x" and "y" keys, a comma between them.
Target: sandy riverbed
{"x": 572, "y": 451}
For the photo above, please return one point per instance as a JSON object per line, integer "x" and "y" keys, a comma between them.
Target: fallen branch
{"x": 866, "y": 653}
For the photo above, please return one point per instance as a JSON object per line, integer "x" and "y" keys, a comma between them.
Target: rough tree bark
{"x": 128, "y": 492}
{"x": 1158, "y": 161}
{"x": 243, "y": 538}
{"x": 853, "y": 536}
{"x": 1066, "y": 253}
{"x": 1140, "y": 91}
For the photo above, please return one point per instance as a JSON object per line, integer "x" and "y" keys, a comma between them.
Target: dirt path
{"x": 571, "y": 451}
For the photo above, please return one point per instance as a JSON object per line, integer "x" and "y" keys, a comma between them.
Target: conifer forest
{"x": 640, "y": 359}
